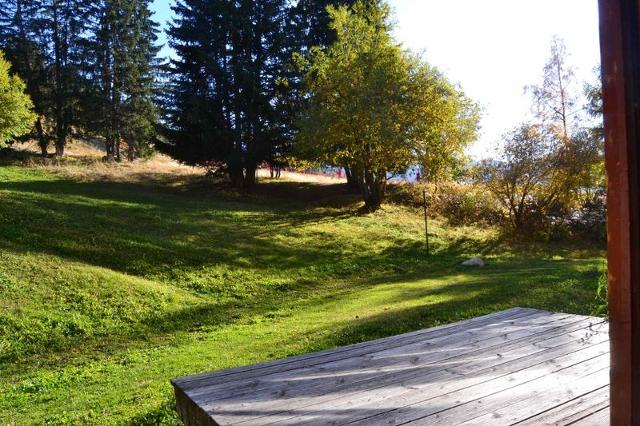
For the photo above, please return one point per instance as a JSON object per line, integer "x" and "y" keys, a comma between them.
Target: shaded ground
{"x": 110, "y": 288}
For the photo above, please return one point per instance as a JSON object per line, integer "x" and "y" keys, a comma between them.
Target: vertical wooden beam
{"x": 620, "y": 50}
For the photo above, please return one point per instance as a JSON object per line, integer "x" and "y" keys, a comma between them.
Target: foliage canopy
{"x": 16, "y": 108}
{"x": 554, "y": 167}
{"x": 378, "y": 110}
{"x": 88, "y": 66}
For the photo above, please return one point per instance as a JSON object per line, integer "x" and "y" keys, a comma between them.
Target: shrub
{"x": 591, "y": 219}
{"x": 460, "y": 204}
{"x": 587, "y": 221}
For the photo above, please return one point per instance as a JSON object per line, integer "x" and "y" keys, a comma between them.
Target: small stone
{"x": 474, "y": 261}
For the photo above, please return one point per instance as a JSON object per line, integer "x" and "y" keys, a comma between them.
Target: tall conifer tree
{"x": 64, "y": 26}
{"x": 119, "y": 104}
{"x": 46, "y": 39}
{"x": 226, "y": 83}
{"x": 311, "y": 23}
{"x": 21, "y": 31}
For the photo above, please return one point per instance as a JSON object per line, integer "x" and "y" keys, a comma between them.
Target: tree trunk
{"x": 60, "y": 144}
{"x": 249, "y": 181}
{"x": 131, "y": 152}
{"x": 117, "y": 148}
{"x": 352, "y": 179}
{"x": 518, "y": 222}
{"x": 236, "y": 176}
{"x": 373, "y": 189}
{"x": 109, "y": 148}
{"x": 43, "y": 143}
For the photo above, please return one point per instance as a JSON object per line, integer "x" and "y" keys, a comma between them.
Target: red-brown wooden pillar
{"x": 620, "y": 49}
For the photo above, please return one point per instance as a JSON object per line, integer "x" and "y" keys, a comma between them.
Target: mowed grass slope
{"x": 110, "y": 289}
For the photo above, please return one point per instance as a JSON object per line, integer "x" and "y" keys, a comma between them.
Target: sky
{"x": 491, "y": 48}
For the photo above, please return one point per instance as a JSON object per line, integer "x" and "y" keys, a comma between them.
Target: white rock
{"x": 474, "y": 261}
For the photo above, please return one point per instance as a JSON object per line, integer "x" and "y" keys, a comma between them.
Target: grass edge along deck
{"x": 521, "y": 365}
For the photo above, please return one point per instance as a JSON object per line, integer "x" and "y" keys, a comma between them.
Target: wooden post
{"x": 620, "y": 49}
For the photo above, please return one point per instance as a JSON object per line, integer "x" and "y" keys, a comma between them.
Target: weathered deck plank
{"x": 573, "y": 410}
{"x": 376, "y": 363}
{"x": 437, "y": 379}
{"x": 260, "y": 369}
{"x": 517, "y": 366}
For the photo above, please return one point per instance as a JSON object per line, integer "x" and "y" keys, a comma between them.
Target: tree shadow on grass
{"x": 168, "y": 236}
{"x": 372, "y": 269}
{"x": 99, "y": 224}
{"x": 484, "y": 294}
{"x": 134, "y": 230}
{"x": 478, "y": 293}
{"x": 543, "y": 287}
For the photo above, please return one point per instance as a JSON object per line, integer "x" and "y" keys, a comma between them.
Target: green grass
{"x": 108, "y": 290}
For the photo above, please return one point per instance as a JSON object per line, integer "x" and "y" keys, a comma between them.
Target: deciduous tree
{"x": 554, "y": 99}
{"x": 16, "y": 115}
{"x": 578, "y": 146}
{"x": 521, "y": 177}
{"x": 378, "y": 109}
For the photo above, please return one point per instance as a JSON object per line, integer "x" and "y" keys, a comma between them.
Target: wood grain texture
{"x": 520, "y": 366}
{"x": 620, "y": 53}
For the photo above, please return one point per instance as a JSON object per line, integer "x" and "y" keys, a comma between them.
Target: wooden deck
{"x": 521, "y": 366}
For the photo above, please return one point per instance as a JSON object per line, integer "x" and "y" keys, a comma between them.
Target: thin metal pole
{"x": 426, "y": 219}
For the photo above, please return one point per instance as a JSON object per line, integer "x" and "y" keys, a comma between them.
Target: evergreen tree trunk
{"x": 42, "y": 139}
{"x": 249, "y": 178}
{"x": 109, "y": 145}
{"x": 236, "y": 176}
{"x": 131, "y": 153}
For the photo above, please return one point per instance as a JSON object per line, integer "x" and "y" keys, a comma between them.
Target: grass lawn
{"x": 110, "y": 289}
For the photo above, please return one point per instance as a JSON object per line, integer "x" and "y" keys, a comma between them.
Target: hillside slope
{"x": 110, "y": 287}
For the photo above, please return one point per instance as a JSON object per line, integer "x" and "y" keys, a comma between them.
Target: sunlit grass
{"x": 109, "y": 289}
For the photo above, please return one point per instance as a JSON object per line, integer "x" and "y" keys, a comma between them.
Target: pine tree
{"x": 46, "y": 39}
{"x": 119, "y": 102}
{"x": 64, "y": 36}
{"x": 226, "y": 82}
{"x": 139, "y": 83}
{"x": 311, "y": 23}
